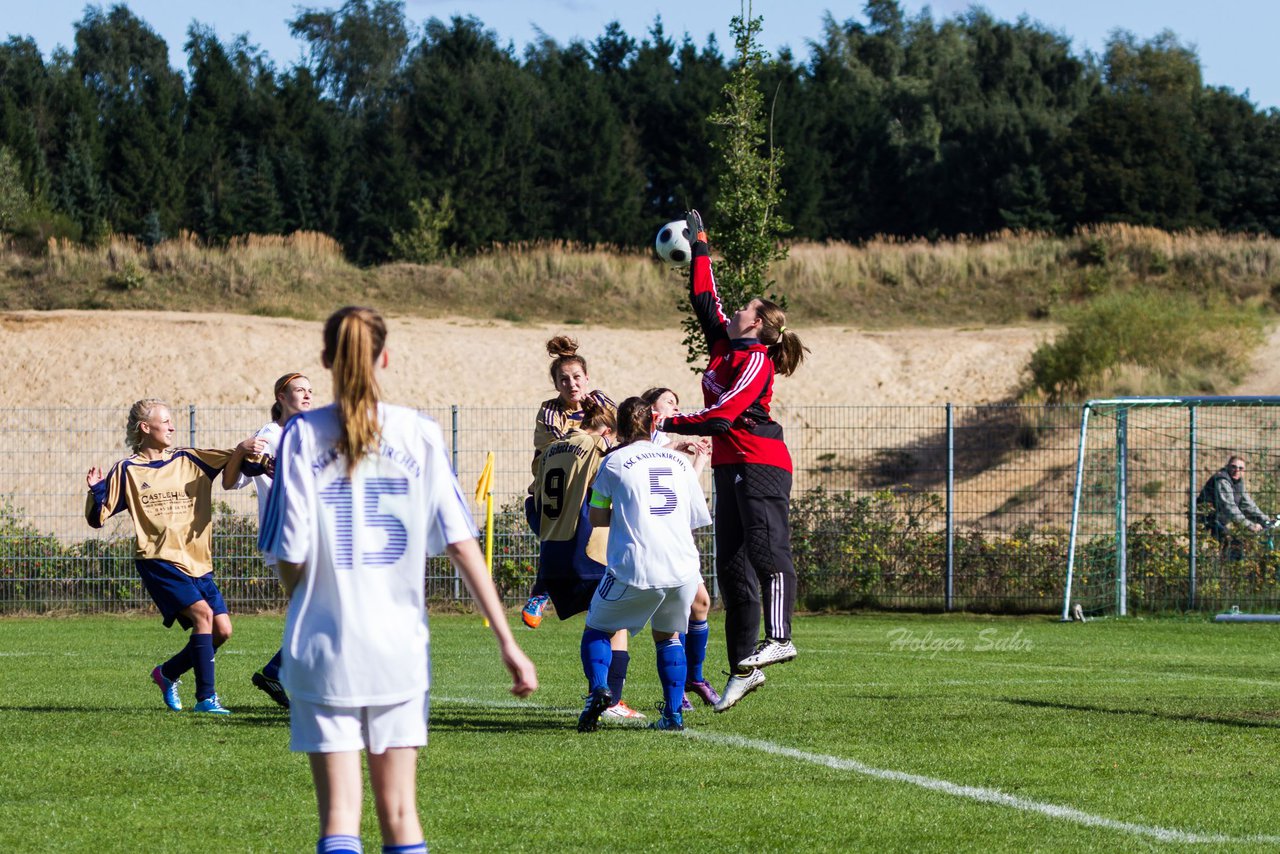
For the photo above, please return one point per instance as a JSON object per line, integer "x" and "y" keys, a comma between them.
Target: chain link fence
{"x": 912, "y": 507}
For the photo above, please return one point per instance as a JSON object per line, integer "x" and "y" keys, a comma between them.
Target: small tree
{"x": 423, "y": 241}
{"x": 746, "y": 224}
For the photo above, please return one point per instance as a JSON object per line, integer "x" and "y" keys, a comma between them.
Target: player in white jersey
{"x": 650, "y": 499}
{"x": 292, "y": 395}
{"x": 363, "y": 494}
{"x": 664, "y": 403}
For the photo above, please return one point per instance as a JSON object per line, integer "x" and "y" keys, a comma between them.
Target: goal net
{"x": 1137, "y": 543}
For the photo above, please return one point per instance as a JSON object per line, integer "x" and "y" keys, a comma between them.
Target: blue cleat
{"x": 210, "y": 706}
{"x": 671, "y": 719}
{"x": 168, "y": 690}
{"x": 531, "y": 613}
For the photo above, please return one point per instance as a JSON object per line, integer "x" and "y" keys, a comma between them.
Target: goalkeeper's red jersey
{"x": 737, "y": 387}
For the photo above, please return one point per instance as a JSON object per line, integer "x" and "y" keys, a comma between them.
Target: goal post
{"x": 1134, "y": 541}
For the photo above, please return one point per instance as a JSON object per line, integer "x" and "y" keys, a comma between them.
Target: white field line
{"x": 982, "y": 794}
{"x": 1071, "y": 668}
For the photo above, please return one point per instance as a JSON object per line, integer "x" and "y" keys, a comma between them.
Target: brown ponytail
{"x": 596, "y": 417}
{"x": 785, "y": 348}
{"x": 563, "y": 351}
{"x": 635, "y": 419}
{"x": 353, "y": 342}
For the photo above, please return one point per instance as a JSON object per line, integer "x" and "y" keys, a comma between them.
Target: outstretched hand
{"x": 93, "y": 478}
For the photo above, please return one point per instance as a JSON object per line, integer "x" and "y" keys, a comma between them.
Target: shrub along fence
{"x": 906, "y": 507}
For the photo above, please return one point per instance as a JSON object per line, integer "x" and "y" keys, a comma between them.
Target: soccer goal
{"x": 1136, "y": 542}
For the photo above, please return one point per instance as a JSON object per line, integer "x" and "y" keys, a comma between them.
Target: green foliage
{"x": 748, "y": 228}
{"x": 1143, "y": 342}
{"x": 888, "y": 549}
{"x": 1157, "y": 572}
{"x": 893, "y": 125}
{"x": 423, "y": 241}
{"x": 128, "y": 277}
{"x": 515, "y": 552}
{"x": 14, "y": 200}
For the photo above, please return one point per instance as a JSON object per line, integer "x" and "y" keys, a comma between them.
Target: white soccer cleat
{"x": 620, "y": 711}
{"x": 770, "y": 651}
{"x": 739, "y": 686}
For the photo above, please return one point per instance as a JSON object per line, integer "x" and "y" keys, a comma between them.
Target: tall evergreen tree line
{"x": 892, "y": 125}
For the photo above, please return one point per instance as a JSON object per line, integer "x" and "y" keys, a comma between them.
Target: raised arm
{"x": 702, "y": 286}
{"x": 106, "y": 497}
{"x": 253, "y": 446}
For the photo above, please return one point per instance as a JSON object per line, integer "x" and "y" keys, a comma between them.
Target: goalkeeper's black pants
{"x": 753, "y": 554}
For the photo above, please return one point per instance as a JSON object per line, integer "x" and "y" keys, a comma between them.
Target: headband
{"x": 283, "y": 382}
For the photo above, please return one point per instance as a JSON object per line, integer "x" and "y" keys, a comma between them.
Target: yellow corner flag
{"x": 484, "y": 494}
{"x": 485, "y": 483}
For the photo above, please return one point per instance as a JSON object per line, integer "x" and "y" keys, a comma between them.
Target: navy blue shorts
{"x": 174, "y": 591}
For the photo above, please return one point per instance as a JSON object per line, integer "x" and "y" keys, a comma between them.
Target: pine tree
{"x": 746, "y": 226}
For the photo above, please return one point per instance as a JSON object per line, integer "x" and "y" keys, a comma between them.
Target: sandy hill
{"x": 93, "y": 359}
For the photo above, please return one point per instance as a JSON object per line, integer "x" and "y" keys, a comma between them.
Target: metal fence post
{"x": 951, "y": 528}
{"x": 191, "y": 425}
{"x": 1191, "y": 512}
{"x": 1122, "y": 509}
{"x": 453, "y": 444}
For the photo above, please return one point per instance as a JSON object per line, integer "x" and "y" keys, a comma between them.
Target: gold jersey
{"x": 565, "y": 472}
{"x": 170, "y": 502}
{"x": 554, "y": 422}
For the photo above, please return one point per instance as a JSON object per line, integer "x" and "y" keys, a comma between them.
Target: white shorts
{"x": 618, "y": 606}
{"x": 316, "y": 728}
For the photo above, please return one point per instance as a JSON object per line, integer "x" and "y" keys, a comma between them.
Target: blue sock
{"x": 416, "y": 848}
{"x": 618, "y": 673}
{"x": 338, "y": 844}
{"x": 272, "y": 668}
{"x": 671, "y": 672}
{"x": 178, "y": 665}
{"x": 201, "y": 647}
{"x": 596, "y": 658}
{"x": 695, "y": 648}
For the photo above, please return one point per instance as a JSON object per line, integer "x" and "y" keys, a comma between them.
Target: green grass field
{"x": 888, "y": 732}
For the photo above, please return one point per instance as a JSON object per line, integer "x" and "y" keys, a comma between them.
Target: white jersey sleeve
{"x": 699, "y": 513}
{"x": 288, "y": 519}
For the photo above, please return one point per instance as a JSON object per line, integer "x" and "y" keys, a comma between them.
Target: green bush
{"x": 1141, "y": 342}
{"x": 865, "y": 551}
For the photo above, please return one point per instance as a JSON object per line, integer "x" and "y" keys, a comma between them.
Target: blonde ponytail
{"x": 353, "y": 342}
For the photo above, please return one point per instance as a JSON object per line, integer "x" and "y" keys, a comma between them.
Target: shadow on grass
{"x": 268, "y": 717}
{"x": 496, "y": 720}
{"x": 1267, "y": 720}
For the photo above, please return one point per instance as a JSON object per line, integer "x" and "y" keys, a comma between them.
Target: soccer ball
{"x": 672, "y": 244}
